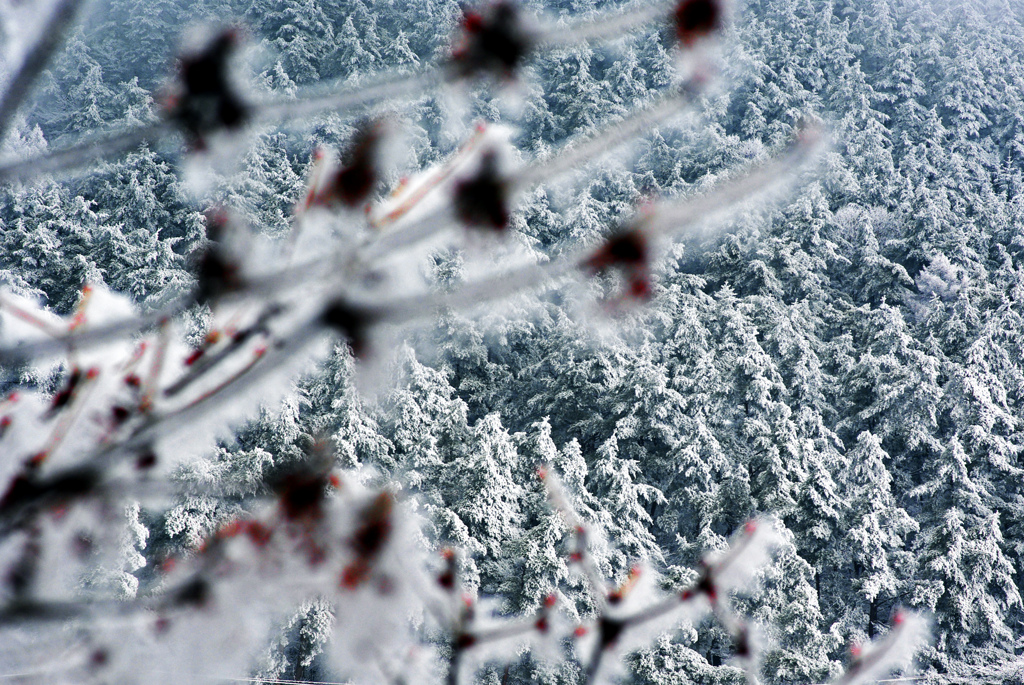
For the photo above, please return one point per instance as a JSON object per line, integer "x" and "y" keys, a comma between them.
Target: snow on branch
{"x": 135, "y": 399}
{"x": 204, "y": 104}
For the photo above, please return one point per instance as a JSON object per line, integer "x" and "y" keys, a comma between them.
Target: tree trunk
{"x": 872, "y": 617}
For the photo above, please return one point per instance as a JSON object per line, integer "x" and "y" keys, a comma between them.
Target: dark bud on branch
{"x": 195, "y": 593}
{"x": 99, "y": 658}
{"x": 446, "y": 578}
{"x": 119, "y": 414}
{"x": 374, "y": 527}
{"x": 492, "y": 42}
{"x": 64, "y": 396}
{"x": 608, "y": 631}
{"x": 303, "y": 489}
{"x": 216, "y": 275}
{"x": 543, "y": 622}
{"x": 352, "y": 322}
{"x": 369, "y": 539}
{"x": 706, "y": 584}
{"x": 206, "y": 102}
{"x": 146, "y": 460}
{"x": 629, "y": 253}
{"x": 697, "y": 19}
{"x": 358, "y": 174}
{"x": 216, "y": 272}
{"x": 482, "y": 201}
{"x": 302, "y": 496}
{"x": 464, "y": 641}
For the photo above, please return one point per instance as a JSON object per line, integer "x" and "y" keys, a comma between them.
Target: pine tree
{"x": 614, "y": 483}
{"x": 877, "y": 537}
{"x": 49, "y": 239}
{"x": 969, "y": 580}
{"x": 731, "y": 394}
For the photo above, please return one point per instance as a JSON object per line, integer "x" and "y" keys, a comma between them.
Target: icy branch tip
{"x": 750, "y": 551}
{"x": 894, "y": 651}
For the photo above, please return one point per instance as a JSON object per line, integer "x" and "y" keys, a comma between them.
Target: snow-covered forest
{"x": 840, "y": 361}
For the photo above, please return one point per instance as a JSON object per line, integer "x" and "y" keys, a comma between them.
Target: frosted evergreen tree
{"x": 332, "y": 408}
{"x": 969, "y": 580}
{"x": 300, "y": 34}
{"x": 577, "y": 99}
{"x": 877, "y": 537}
{"x": 798, "y": 646}
{"x": 535, "y": 562}
{"x": 295, "y": 655}
{"x": 49, "y": 237}
{"x": 879, "y": 310}
{"x": 271, "y": 184}
{"x": 139, "y": 39}
{"x": 77, "y": 97}
{"x": 135, "y": 196}
{"x": 614, "y": 481}
{"x": 483, "y": 491}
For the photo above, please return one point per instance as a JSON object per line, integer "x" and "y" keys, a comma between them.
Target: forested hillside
{"x": 849, "y": 360}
